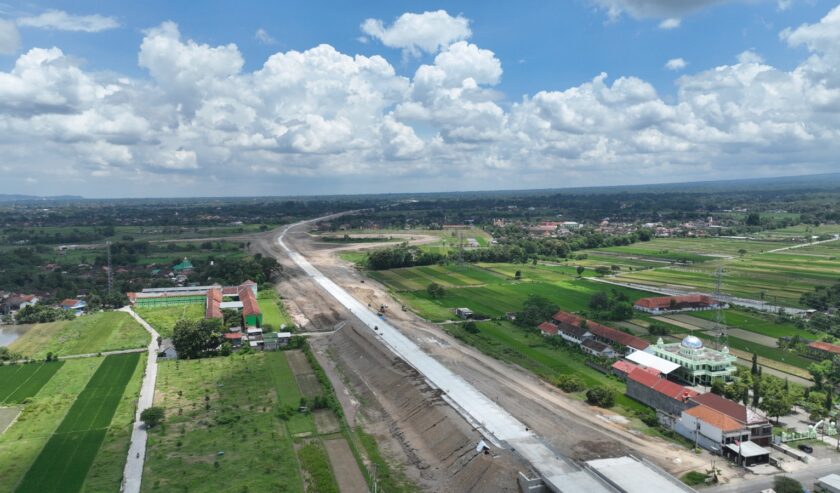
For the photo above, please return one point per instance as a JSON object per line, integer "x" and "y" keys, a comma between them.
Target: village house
{"x": 659, "y": 393}
{"x": 674, "y": 304}
{"x": 75, "y": 305}
{"x": 598, "y": 349}
{"x": 759, "y": 427}
{"x": 823, "y": 350}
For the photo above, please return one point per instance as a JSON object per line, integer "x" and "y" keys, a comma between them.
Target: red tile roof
{"x": 249, "y": 301}
{"x": 233, "y": 335}
{"x": 661, "y": 385}
{"x": 825, "y": 346}
{"x": 69, "y": 303}
{"x": 664, "y": 302}
{"x": 729, "y": 408}
{"x": 627, "y": 367}
{"x": 213, "y": 308}
{"x": 715, "y": 418}
{"x": 603, "y": 331}
{"x": 617, "y": 336}
{"x": 548, "y": 328}
{"x": 568, "y": 318}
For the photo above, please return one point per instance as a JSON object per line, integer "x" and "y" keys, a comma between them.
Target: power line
{"x": 110, "y": 270}
{"x": 720, "y": 322}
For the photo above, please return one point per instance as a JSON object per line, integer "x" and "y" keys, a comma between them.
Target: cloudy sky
{"x": 243, "y": 98}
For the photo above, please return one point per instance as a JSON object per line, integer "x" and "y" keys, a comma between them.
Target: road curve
{"x": 495, "y": 423}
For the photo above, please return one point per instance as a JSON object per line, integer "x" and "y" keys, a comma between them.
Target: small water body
{"x": 9, "y": 333}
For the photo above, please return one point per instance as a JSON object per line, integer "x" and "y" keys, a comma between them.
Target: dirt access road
{"x": 571, "y": 427}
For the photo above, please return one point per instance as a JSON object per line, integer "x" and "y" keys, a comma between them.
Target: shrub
{"x": 152, "y": 416}
{"x": 471, "y": 327}
{"x": 601, "y": 397}
{"x": 570, "y": 383}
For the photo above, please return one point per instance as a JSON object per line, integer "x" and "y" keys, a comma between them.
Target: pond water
{"x": 8, "y": 333}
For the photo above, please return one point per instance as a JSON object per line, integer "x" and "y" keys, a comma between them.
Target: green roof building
{"x": 699, "y": 365}
{"x": 185, "y": 265}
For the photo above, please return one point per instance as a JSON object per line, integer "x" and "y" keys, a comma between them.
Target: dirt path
{"x": 569, "y": 425}
{"x": 345, "y": 468}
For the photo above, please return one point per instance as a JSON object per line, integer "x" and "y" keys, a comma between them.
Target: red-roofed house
{"x": 250, "y": 309}
{"x": 622, "y": 368}
{"x": 598, "y": 349}
{"x": 548, "y": 329}
{"x": 213, "y": 307}
{"x": 74, "y": 305}
{"x": 824, "y": 350}
{"x": 670, "y": 304}
{"x": 658, "y": 393}
{"x": 600, "y": 332}
{"x": 761, "y": 431}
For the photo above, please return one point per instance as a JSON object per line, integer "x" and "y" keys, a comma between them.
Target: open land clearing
{"x": 224, "y": 412}
{"x": 163, "y": 319}
{"x": 94, "y": 333}
{"x": 365, "y": 363}
{"x": 274, "y": 315}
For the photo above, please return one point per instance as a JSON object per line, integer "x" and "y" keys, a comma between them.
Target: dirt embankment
{"x": 414, "y": 427}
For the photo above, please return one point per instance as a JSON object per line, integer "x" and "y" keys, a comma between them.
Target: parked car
{"x": 806, "y": 448}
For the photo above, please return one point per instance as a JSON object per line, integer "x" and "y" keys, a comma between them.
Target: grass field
{"x": 19, "y": 382}
{"x": 97, "y": 332}
{"x": 528, "y": 349}
{"x": 67, "y": 456}
{"x": 449, "y": 276}
{"x": 163, "y": 319}
{"x": 758, "y": 323}
{"x": 24, "y": 440}
{"x": 272, "y": 309}
{"x": 494, "y": 300}
{"x": 223, "y": 405}
{"x": 105, "y": 474}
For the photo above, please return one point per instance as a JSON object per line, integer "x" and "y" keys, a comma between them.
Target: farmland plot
{"x": 64, "y": 462}
{"x": 18, "y": 382}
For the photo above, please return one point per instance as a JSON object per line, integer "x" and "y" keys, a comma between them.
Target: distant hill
{"x": 33, "y": 198}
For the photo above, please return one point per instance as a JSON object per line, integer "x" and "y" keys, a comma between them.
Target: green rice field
{"x": 19, "y": 382}
{"x": 489, "y": 289}
{"x": 67, "y": 456}
{"x": 758, "y": 323}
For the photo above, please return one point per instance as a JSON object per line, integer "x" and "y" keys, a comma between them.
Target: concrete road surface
{"x": 133, "y": 472}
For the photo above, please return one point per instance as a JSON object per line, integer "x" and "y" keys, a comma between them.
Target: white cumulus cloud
{"x": 426, "y": 32}
{"x": 9, "y": 37}
{"x": 318, "y": 117}
{"x": 62, "y": 21}
{"x": 662, "y": 9}
{"x": 670, "y": 23}
{"x": 676, "y": 64}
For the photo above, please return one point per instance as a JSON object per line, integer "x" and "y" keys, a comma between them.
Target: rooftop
{"x": 747, "y": 449}
{"x": 714, "y": 418}
{"x": 732, "y": 409}
{"x": 547, "y": 328}
{"x": 676, "y": 302}
{"x": 825, "y": 346}
{"x": 661, "y": 385}
{"x": 652, "y": 361}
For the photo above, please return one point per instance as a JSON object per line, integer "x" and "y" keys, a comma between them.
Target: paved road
{"x": 803, "y": 245}
{"x": 756, "y": 484}
{"x": 133, "y": 472}
{"x": 494, "y": 422}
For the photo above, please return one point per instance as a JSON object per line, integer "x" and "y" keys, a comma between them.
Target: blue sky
{"x": 515, "y": 110}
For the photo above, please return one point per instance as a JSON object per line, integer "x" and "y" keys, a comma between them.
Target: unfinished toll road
{"x": 567, "y": 426}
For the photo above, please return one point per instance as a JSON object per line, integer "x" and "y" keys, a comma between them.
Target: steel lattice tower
{"x": 720, "y": 322}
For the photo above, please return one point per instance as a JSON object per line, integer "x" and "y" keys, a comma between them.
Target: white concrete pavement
{"x": 133, "y": 472}
{"x": 495, "y": 423}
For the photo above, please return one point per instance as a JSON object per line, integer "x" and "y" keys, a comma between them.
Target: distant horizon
{"x": 286, "y": 98}
{"x": 594, "y": 188}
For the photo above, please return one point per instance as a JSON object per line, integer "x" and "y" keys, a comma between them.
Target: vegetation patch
{"x": 65, "y": 460}
{"x": 94, "y": 333}
{"x": 163, "y": 319}
{"x": 20, "y": 382}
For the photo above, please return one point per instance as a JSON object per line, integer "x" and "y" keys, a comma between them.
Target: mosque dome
{"x": 692, "y": 342}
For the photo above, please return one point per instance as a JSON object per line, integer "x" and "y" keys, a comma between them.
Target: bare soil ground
{"x": 344, "y": 466}
{"x": 326, "y": 422}
{"x": 411, "y": 421}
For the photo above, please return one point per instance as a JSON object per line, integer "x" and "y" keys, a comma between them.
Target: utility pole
{"x": 720, "y": 323}
{"x": 110, "y": 272}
